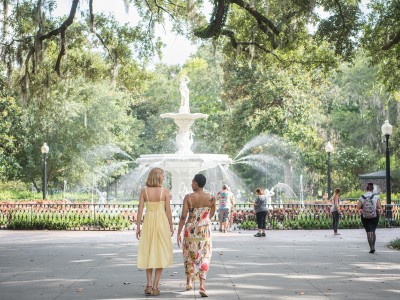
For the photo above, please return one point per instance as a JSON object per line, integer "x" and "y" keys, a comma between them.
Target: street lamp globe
{"x": 44, "y": 149}
{"x": 328, "y": 147}
{"x": 386, "y": 128}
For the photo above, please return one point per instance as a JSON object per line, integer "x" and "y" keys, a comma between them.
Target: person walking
{"x": 370, "y": 207}
{"x": 198, "y": 209}
{"x": 155, "y": 245}
{"x": 225, "y": 200}
{"x": 335, "y": 210}
{"x": 260, "y": 208}
{"x": 232, "y": 215}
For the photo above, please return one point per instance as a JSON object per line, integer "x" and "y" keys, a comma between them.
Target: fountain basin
{"x": 183, "y": 167}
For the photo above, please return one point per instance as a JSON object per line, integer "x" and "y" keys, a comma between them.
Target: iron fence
{"x": 86, "y": 216}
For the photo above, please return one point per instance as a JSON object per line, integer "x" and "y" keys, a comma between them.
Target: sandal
{"x": 156, "y": 292}
{"x": 148, "y": 289}
{"x": 203, "y": 293}
{"x": 188, "y": 287}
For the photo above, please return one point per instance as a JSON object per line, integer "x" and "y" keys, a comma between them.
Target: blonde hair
{"x": 155, "y": 177}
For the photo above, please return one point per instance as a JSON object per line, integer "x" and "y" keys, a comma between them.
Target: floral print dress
{"x": 197, "y": 246}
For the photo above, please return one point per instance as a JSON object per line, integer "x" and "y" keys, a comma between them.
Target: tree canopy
{"x": 302, "y": 72}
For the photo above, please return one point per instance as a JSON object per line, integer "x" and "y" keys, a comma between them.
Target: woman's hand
{"x": 172, "y": 230}
{"x": 179, "y": 240}
{"x": 138, "y": 233}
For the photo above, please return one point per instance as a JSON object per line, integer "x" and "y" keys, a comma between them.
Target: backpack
{"x": 368, "y": 208}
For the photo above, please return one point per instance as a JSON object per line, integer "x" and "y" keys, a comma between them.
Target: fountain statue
{"x": 268, "y": 194}
{"x": 183, "y": 164}
{"x": 183, "y": 88}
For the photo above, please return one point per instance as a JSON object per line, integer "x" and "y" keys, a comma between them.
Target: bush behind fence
{"x": 87, "y": 216}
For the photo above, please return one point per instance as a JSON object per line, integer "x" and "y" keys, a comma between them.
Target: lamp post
{"x": 329, "y": 149}
{"x": 45, "y": 150}
{"x": 387, "y": 131}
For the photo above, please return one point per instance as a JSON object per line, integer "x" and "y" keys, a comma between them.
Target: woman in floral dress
{"x": 198, "y": 209}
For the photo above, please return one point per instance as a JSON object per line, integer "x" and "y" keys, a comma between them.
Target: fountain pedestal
{"x": 184, "y": 121}
{"x": 183, "y": 164}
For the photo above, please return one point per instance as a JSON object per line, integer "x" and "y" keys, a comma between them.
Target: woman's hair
{"x": 200, "y": 179}
{"x": 155, "y": 177}
{"x": 336, "y": 192}
{"x": 370, "y": 186}
{"x": 259, "y": 191}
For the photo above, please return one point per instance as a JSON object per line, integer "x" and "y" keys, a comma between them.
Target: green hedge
{"x": 56, "y": 221}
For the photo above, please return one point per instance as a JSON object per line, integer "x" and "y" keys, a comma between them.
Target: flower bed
{"x": 87, "y": 216}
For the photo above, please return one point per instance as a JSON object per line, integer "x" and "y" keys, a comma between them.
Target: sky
{"x": 177, "y": 49}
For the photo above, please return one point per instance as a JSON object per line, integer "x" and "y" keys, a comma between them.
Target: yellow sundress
{"x": 155, "y": 244}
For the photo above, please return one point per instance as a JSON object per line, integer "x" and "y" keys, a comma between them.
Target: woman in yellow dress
{"x": 155, "y": 245}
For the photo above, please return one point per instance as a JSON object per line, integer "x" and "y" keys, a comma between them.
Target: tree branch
{"x": 393, "y": 42}
{"x": 345, "y": 27}
{"x": 235, "y": 44}
{"x": 104, "y": 45}
{"x": 64, "y": 25}
{"x": 57, "y": 68}
{"x": 257, "y": 15}
{"x": 216, "y": 23}
{"x": 91, "y": 18}
{"x": 61, "y": 30}
{"x": 163, "y": 9}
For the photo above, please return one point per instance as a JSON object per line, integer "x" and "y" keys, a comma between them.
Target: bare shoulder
{"x": 211, "y": 199}
{"x": 185, "y": 198}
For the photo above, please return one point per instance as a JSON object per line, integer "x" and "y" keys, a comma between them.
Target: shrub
{"x": 394, "y": 244}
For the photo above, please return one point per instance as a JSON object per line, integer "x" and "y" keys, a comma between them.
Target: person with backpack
{"x": 369, "y": 206}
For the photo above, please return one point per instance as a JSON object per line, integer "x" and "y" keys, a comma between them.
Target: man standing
{"x": 226, "y": 200}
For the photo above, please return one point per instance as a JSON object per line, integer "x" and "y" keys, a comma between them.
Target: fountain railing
{"x": 86, "y": 216}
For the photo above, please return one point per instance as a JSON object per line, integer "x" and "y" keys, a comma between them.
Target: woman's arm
{"x": 182, "y": 219}
{"x": 212, "y": 207}
{"x": 378, "y": 206}
{"x": 139, "y": 214}
{"x": 168, "y": 210}
{"x": 359, "y": 205}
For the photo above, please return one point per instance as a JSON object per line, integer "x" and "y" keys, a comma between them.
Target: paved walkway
{"x": 285, "y": 265}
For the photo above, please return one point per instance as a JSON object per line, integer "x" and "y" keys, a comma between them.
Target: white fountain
{"x": 184, "y": 164}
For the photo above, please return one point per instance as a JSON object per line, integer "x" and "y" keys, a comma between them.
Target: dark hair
{"x": 259, "y": 191}
{"x": 370, "y": 186}
{"x": 200, "y": 179}
{"x": 225, "y": 187}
